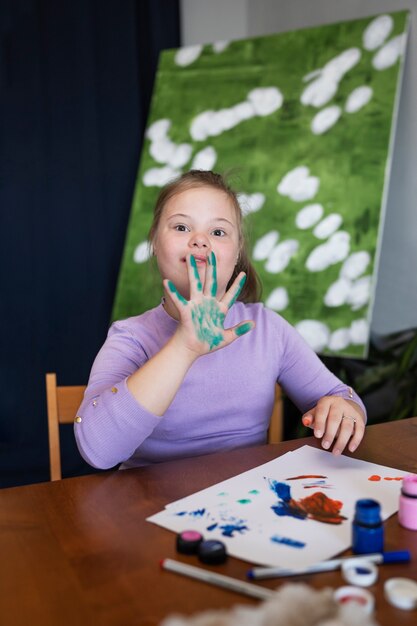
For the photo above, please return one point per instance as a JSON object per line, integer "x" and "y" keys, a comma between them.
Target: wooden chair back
{"x": 62, "y": 405}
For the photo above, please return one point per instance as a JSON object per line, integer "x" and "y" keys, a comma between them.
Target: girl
{"x": 197, "y": 373}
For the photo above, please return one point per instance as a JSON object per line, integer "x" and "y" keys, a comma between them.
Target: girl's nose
{"x": 199, "y": 240}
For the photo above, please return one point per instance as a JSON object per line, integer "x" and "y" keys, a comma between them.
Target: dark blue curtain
{"x": 75, "y": 83}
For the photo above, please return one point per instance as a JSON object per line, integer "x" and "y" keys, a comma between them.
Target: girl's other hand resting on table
{"x": 336, "y": 421}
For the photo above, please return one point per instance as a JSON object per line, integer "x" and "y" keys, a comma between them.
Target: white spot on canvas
{"x": 325, "y": 119}
{"x": 298, "y": 184}
{"x": 265, "y": 245}
{"x": 315, "y": 333}
{"x": 358, "y": 98}
{"x": 377, "y": 31}
{"x": 308, "y": 216}
{"x": 187, "y": 55}
{"x": 328, "y": 226}
{"x": 281, "y": 255}
{"x": 278, "y": 299}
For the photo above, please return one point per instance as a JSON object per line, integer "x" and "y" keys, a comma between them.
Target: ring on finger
{"x": 349, "y": 417}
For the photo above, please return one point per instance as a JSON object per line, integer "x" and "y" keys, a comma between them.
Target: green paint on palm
{"x": 196, "y": 274}
{"x": 242, "y": 330}
{"x": 238, "y": 290}
{"x": 208, "y": 323}
{"x": 214, "y": 283}
{"x": 173, "y": 288}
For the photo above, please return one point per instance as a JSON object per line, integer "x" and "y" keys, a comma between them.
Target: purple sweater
{"x": 224, "y": 402}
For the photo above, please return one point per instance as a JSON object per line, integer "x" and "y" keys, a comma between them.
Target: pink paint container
{"x": 407, "y": 512}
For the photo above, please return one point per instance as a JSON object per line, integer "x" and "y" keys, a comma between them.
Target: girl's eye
{"x": 181, "y": 228}
{"x": 218, "y": 232}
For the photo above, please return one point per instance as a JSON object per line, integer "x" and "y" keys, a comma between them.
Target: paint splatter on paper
{"x": 196, "y": 513}
{"x": 303, "y": 476}
{"x": 376, "y": 478}
{"x": 318, "y": 506}
{"x": 317, "y": 484}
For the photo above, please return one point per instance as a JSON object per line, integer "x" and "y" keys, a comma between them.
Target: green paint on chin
{"x": 173, "y": 289}
{"x": 242, "y": 330}
{"x": 196, "y": 274}
{"x": 208, "y": 323}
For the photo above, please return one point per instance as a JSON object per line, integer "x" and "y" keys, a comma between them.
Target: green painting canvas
{"x": 305, "y": 122}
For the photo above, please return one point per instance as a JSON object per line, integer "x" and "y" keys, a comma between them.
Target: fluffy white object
{"x": 292, "y": 605}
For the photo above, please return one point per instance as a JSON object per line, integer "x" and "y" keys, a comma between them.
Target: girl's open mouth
{"x": 199, "y": 259}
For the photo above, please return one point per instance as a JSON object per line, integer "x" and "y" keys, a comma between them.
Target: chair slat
{"x": 62, "y": 405}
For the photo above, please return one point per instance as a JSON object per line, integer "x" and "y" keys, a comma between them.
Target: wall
{"x": 395, "y": 304}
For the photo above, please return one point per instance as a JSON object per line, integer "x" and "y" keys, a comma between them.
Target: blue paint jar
{"x": 367, "y": 528}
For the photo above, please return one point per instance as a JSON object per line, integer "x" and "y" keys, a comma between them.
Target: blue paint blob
{"x": 198, "y": 512}
{"x": 212, "y": 526}
{"x": 287, "y": 541}
{"x": 282, "y": 490}
{"x": 229, "y": 529}
{"x": 283, "y": 509}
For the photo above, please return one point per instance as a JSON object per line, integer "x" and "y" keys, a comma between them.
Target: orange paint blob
{"x": 374, "y": 477}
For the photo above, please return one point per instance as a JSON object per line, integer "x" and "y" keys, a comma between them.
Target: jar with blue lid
{"x": 367, "y": 527}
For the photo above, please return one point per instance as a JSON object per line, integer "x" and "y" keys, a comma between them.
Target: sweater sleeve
{"x": 305, "y": 378}
{"x": 110, "y": 423}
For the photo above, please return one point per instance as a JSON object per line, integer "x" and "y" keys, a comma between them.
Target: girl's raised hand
{"x": 202, "y": 316}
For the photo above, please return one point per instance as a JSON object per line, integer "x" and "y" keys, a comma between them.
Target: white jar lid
{"x": 356, "y": 595}
{"x": 401, "y": 592}
{"x": 359, "y": 572}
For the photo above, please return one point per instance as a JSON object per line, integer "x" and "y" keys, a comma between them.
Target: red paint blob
{"x": 321, "y": 508}
{"x": 374, "y": 477}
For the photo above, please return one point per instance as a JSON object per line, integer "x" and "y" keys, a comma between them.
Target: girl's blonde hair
{"x": 251, "y": 291}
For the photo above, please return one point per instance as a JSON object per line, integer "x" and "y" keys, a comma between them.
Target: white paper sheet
{"x": 239, "y": 511}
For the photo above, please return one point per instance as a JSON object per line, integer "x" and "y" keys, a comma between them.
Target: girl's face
{"x": 197, "y": 221}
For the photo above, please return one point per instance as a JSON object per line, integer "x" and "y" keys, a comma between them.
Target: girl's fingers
{"x": 358, "y": 433}
{"x": 321, "y": 411}
{"x": 308, "y": 419}
{"x": 178, "y": 300}
{"x": 345, "y": 433}
{"x": 332, "y": 426}
{"x": 231, "y": 334}
{"x": 210, "y": 283}
{"x": 196, "y": 287}
{"x": 232, "y": 294}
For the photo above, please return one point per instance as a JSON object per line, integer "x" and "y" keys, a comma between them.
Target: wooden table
{"x": 79, "y": 551}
